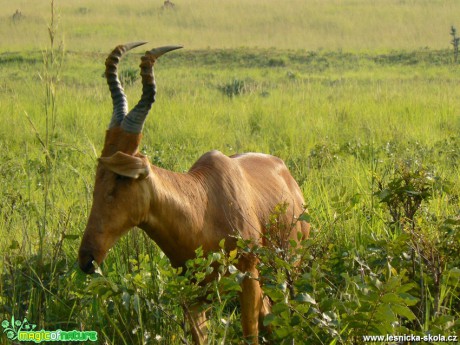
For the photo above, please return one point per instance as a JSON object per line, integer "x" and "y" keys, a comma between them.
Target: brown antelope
{"x": 220, "y": 197}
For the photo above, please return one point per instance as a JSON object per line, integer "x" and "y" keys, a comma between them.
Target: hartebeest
{"x": 220, "y": 197}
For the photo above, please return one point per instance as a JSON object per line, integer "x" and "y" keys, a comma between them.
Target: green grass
{"x": 331, "y": 25}
{"x": 349, "y": 106}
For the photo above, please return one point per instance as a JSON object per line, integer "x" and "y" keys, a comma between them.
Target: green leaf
{"x": 391, "y": 298}
{"x": 279, "y": 308}
{"x": 381, "y": 328}
{"x": 232, "y": 269}
{"x": 233, "y": 254}
{"x": 305, "y": 298}
{"x": 406, "y": 287}
{"x": 357, "y": 322}
{"x": 454, "y": 272}
{"x": 305, "y": 217}
{"x": 199, "y": 252}
{"x": 369, "y": 296}
{"x": 229, "y": 284}
{"x": 240, "y": 276}
{"x": 268, "y": 319}
{"x": 392, "y": 283}
{"x": 274, "y": 293}
{"x": 215, "y": 257}
{"x": 295, "y": 320}
{"x": 139, "y": 281}
{"x": 408, "y": 299}
{"x": 385, "y": 314}
{"x": 444, "y": 322}
{"x": 383, "y": 195}
{"x": 403, "y": 311}
{"x": 282, "y": 332}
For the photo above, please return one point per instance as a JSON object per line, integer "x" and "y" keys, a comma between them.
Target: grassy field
{"x": 359, "y": 98}
{"x": 334, "y": 24}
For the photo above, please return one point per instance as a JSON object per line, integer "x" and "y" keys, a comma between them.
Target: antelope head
{"x": 121, "y": 196}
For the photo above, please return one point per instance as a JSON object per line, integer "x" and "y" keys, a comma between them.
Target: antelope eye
{"x": 109, "y": 197}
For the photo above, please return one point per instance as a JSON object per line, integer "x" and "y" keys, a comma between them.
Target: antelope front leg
{"x": 251, "y": 305}
{"x": 196, "y": 318}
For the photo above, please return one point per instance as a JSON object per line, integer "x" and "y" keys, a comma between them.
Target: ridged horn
{"x": 134, "y": 121}
{"x": 119, "y": 100}
{"x": 157, "y": 52}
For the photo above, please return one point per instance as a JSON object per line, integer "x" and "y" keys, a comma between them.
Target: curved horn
{"x": 134, "y": 121}
{"x": 120, "y": 103}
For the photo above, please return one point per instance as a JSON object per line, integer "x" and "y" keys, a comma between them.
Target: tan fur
{"x": 218, "y": 198}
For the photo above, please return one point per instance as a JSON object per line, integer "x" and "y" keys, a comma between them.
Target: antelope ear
{"x": 126, "y": 165}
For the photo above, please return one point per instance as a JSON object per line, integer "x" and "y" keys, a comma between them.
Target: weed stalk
{"x": 52, "y": 63}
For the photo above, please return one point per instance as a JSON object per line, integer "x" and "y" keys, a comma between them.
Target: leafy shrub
{"x": 322, "y": 155}
{"x": 405, "y": 190}
{"x": 429, "y": 242}
{"x": 238, "y": 87}
{"x": 274, "y": 62}
{"x": 322, "y": 294}
{"x": 234, "y": 88}
{"x": 128, "y": 76}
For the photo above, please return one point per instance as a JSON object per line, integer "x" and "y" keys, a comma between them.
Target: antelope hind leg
{"x": 196, "y": 318}
{"x": 265, "y": 309}
{"x": 251, "y": 306}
